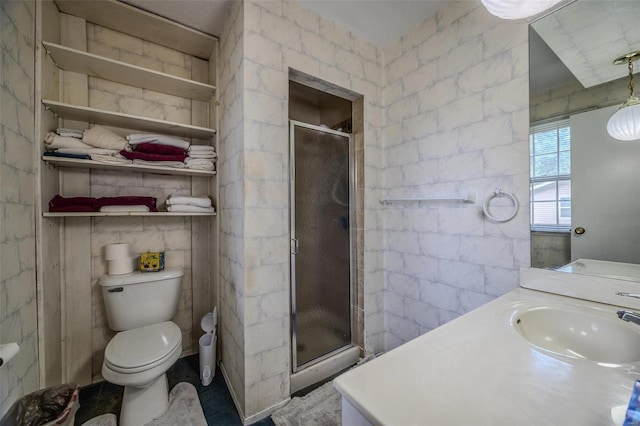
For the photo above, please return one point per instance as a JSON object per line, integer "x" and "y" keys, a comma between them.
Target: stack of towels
{"x": 103, "y": 204}
{"x": 189, "y": 204}
{"x": 91, "y": 144}
{"x": 201, "y": 157}
{"x": 103, "y": 145}
{"x": 156, "y": 150}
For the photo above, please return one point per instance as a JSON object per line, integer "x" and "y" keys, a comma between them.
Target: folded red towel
{"x": 126, "y": 201}
{"x": 133, "y": 155}
{"x": 154, "y": 148}
{"x": 71, "y": 204}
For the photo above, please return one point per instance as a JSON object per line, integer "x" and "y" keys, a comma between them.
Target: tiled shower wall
{"x": 456, "y": 100}
{"x": 272, "y": 37}
{"x": 231, "y": 213}
{"x": 169, "y": 234}
{"x": 18, "y": 316}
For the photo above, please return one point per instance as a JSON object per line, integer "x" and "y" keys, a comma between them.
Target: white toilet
{"x": 140, "y": 306}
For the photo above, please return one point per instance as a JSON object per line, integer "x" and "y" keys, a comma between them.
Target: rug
{"x": 321, "y": 407}
{"x": 184, "y": 409}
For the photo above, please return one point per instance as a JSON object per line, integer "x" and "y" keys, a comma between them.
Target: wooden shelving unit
{"x": 103, "y": 214}
{"x": 127, "y": 121}
{"x": 74, "y": 60}
{"x": 90, "y": 164}
{"x": 127, "y": 19}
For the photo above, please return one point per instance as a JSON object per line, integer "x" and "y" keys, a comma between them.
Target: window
{"x": 550, "y": 176}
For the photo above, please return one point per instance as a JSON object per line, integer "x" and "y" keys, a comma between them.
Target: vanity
{"x": 530, "y": 357}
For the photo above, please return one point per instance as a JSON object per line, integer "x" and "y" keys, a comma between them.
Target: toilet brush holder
{"x": 208, "y": 347}
{"x": 207, "y": 358}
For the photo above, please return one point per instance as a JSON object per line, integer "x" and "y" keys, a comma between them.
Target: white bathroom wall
{"x": 261, "y": 43}
{"x": 18, "y": 316}
{"x": 231, "y": 214}
{"x": 456, "y": 104}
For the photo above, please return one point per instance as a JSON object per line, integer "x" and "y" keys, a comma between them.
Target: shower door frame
{"x": 294, "y": 246}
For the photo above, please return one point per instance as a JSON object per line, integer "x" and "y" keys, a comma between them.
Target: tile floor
{"x": 215, "y": 399}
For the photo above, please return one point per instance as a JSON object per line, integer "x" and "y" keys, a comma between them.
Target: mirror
{"x": 572, "y": 77}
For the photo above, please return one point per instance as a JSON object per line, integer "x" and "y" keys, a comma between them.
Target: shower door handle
{"x": 294, "y": 246}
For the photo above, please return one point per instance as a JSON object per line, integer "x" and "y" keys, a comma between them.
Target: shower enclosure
{"x": 321, "y": 244}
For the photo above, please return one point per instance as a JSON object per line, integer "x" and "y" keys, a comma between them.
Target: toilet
{"x": 140, "y": 306}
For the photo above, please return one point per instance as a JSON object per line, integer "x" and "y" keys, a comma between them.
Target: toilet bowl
{"x": 138, "y": 360}
{"x": 139, "y": 306}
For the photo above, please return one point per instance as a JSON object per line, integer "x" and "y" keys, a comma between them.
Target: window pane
{"x": 564, "y": 207}
{"x": 565, "y": 163}
{"x": 564, "y": 190}
{"x": 545, "y": 213}
{"x": 550, "y": 158}
{"x": 544, "y": 191}
{"x": 564, "y": 137}
{"x": 545, "y": 142}
{"x": 546, "y": 165}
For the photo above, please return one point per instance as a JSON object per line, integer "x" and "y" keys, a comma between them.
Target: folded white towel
{"x": 109, "y": 159}
{"x": 202, "y": 201}
{"x": 136, "y": 138}
{"x": 72, "y": 133}
{"x": 114, "y": 208}
{"x": 54, "y": 141}
{"x": 190, "y": 209}
{"x": 200, "y": 148}
{"x": 199, "y": 164}
{"x": 101, "y": 137}
{"x": 174, "y": 164}
{"x": 209, "y": 156}
{"x": 88, "y": 151}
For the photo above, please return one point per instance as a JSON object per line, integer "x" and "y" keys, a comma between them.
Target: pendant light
{"x": 624, "y": 125}
{"x": 518, "y": 9}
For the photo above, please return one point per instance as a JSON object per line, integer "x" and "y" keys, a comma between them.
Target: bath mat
{"x": 184, "y": 409}
{"x": 321, "y": 407}
{"x": 108, "y": 419}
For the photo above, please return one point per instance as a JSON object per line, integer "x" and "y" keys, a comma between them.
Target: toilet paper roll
{"x": 120, "y": 266}
{"x": 116, "y": 251}
{"x": 7, "y": 352}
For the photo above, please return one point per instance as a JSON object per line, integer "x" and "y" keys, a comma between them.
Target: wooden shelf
{"x": 103, "y": 214}
{"x": 127, "y": 121}
{"x": 158, "y": 170}
{"x": 139, "y": 23}
{"x": 93, "y": 65}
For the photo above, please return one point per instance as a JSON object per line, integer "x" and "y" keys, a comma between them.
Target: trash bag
{"x": 56, "y": 405}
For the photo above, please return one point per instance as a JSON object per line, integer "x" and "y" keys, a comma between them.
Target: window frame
{"x": 557, "y": 178}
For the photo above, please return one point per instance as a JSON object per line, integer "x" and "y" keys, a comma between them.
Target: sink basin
{"x": 576, "y": 332}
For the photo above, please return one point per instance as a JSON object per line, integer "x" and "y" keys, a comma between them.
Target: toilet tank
{"x": 141, "y": 298}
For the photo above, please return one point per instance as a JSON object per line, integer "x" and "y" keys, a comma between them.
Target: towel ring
{"x": 499, "y": 193}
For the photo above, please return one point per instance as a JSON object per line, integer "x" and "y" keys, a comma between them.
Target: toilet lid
{"x": 143, "y": 346}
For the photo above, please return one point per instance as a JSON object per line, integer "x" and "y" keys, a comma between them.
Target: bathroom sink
{"x": 579, "y": 332}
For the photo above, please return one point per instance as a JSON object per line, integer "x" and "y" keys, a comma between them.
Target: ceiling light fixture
{"x": 518, "y": 9}
{"x": 624, "y": 125}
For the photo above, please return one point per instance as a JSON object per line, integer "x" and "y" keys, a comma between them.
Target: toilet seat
{"x": 143, "y": 348}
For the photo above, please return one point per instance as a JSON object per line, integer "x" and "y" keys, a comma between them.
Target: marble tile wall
{"x": 18, "y": 311}
{"x": 561, "y": 101}
{"x": 231, "y": 214}
{"x": 276, "y": 37}
{"x": 169, "y": 234}
{"x": 456, "y": 104}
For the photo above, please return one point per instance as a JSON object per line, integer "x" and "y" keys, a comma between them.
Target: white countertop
{"x": 478, "y": 370}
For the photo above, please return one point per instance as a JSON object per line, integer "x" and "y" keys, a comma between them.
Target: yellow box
{"x": 152, "y": 261}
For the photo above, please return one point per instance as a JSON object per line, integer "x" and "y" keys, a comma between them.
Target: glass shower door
{"x": 321, "y": 243}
